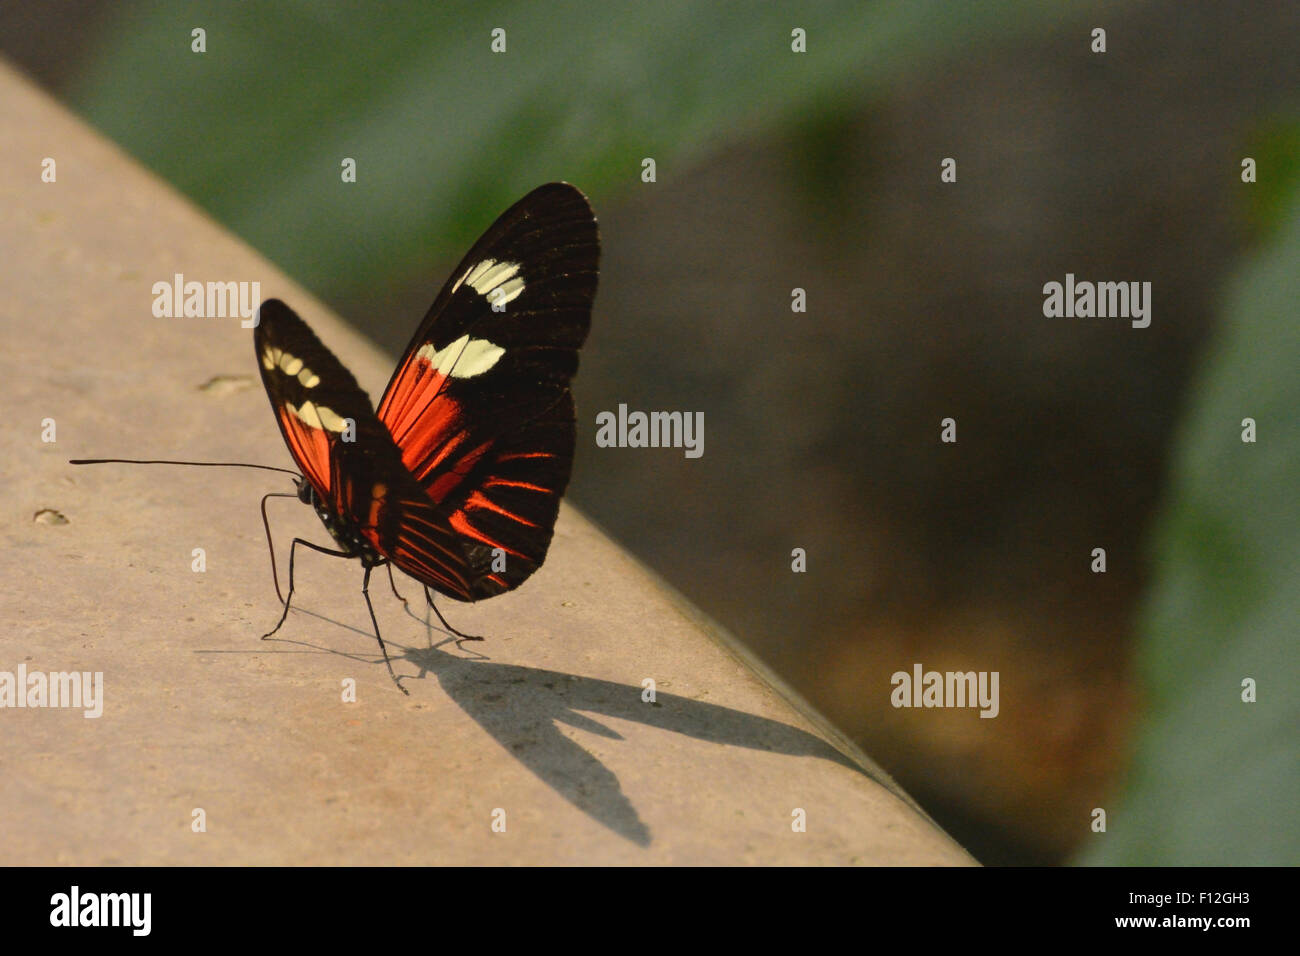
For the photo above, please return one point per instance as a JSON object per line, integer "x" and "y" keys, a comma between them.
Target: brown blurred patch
{"x": 925, "y": 301}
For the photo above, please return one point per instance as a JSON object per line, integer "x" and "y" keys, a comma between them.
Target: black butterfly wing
{"x": 479, "y": 404}
{"x": 312, "y": 394}
{"x": 350, "y": 459}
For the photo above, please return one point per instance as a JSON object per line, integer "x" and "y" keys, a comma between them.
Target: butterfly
{"x": 456, "y": 477}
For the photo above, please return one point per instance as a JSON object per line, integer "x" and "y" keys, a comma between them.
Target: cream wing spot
{"x": 306, "y": 413}
{"x": 507, "y": 291}
{"x": 330, "y": 419}
{"x": 463, "y": 357}
{"x": 319, "y": 416}
{"x": 494, "y": 275}
{"x": 488, "y": 276}
{"x": 472, "y": 274}
{"x": 290, "y": 365}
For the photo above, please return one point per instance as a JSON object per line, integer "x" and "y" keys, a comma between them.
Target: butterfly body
{"x": 343, "y": 530}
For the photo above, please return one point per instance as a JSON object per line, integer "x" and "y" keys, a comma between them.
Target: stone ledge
{"x": 544, "y": 721}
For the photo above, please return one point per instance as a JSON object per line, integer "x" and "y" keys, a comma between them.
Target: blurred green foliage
{"x": 1216, "y": 780}
{"x": 446, "y": 133}
{"x": 1275, "y": 147}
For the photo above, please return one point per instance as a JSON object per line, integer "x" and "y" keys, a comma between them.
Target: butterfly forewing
{"x": 350, "y": 459}
{"x": 312, "y": 394}
{"x": 479, "y": 405}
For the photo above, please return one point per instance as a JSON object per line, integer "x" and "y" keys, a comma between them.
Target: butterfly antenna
{"x": 158, "y": 461}
{"x": 270, "y": 546}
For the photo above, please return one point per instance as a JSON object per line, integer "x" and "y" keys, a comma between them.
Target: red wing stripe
{"x": 507, "y": 483}
{"x": 416, "y": 514}
{"x": 408, "y": 533}
{"x": 401, "y": 414}
{"x": 432, "y": 430}
{"x": 478, "y": 500}
{"x": 415, "y": 541}
{"x": 525, "y": 454}
{"x": 412, "y": 553}
{"x": 411, "y": 563}
{"x": 445, "y": 483}
{"x": 406, "y": 526}
{"x": 310, "y": 447}
{"x": 461, "y": 523}
{"x": 431, "y": 451}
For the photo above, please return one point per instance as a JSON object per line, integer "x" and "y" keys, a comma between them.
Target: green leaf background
{"x": 446, "y": 133}
{"x": 1215, "y": 780}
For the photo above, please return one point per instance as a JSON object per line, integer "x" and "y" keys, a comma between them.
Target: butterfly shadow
{"x": 523, "y": 708}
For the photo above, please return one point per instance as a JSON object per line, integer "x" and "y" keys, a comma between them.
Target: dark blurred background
{"x": 820, "y": 170}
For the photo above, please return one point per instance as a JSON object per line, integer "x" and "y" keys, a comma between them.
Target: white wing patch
{"x": 318, "y": 416}
{"x": 289, "y": 365}
{"x": 498, "y": 282}
{"x": 463, "y": 358}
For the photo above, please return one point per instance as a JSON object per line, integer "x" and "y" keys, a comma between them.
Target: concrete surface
{"x": 544, "y": 721}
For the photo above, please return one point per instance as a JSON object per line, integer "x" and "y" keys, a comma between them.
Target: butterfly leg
{"x": 392, "y": 585}
{"x": 289, "y": 597}
{"x": 365, "y": 592}
{"x": 464, "y": 637}
{"x": 270, "y": 546}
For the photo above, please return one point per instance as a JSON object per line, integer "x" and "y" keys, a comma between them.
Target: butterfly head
{"x": 306, "y": 493}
